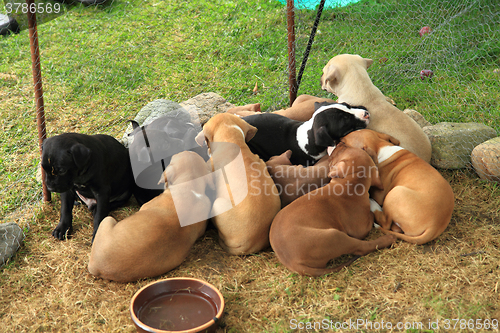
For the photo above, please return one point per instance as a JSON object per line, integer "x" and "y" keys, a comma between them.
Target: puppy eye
{"x": 58, "y": 172}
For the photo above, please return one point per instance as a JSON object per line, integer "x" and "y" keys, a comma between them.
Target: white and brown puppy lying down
{"x": 345, "y": 76}
{"x": 417, "y": 201}
{"x": 330, "y": 221}
{"x": 152, "y": 241}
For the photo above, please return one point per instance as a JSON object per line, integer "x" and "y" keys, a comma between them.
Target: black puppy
{"x": 308, "y": 140}
{"x": 96, "y": 168}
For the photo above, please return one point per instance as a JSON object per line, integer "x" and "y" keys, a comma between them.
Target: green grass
{"x": 100, "y": 65}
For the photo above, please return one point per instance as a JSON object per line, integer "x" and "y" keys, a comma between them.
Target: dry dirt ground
{"x": 46, "y": 287}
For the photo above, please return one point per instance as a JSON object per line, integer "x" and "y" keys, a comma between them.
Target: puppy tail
{"x": 425, "y": 237}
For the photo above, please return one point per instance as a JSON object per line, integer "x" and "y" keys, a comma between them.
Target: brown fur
{"x": 293, "y": 181}
{"x": 243, "y": 229}
{"x": 301, "y": 109}
{"x": 416, "y": 199}
{"x": 151, "y": 242}
{"x": 330, "y": 221}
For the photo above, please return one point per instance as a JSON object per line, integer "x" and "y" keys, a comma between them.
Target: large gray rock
{"x": 11, "y": 236}
{"x": 486, "y": 159}
{"x": 207, "y": 105}
{"x": 452, "y": 143}
{"x": 197, "y": 110}
{"x": 156, "y": 109}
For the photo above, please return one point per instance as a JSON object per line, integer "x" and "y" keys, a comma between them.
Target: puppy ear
{"x": 388, "y": 138}
{"x": 330, "y": 78}
{"x": 200, "y": 138}
{"x": 372, "y": 153}
{"x": 250, "y": 132}
{"x": 338, "y": 170}
{"x": 330, "y": 150}
{"x": 368, "y": 62}
{"x": 163, "y": 179}
{"x": 165, "y": 175}
{"x": 322, "y": 138}
{"x": 80, "y": 153}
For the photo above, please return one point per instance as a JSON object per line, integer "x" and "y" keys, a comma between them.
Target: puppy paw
{"x": 61, "y": 232}
{"x": 385, "y": 241}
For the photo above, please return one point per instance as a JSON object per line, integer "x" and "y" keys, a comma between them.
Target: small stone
{"x": 11, "y": 236}
{"x": 486, "y": 159}
{"x": 452, "y": 143}
{"x": 207, "y": 105}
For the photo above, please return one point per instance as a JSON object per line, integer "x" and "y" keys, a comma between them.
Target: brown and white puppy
{"x": 331, "y": 221}
{"x": 152, "y": 241}
{"x": 417, "y": 201}
{"x": 294, "y": 181}
{"x": 242, "y": 219}
{"x": 345, "y": 76}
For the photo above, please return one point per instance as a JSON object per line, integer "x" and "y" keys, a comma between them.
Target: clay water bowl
{"x": 177, "y": 305}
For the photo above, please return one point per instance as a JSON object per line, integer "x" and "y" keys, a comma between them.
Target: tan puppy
{"x": 294, "y": 181}
{"x": 416, "y": 199}
{"x": 345, "y": 76}
{"x": 244, "y": 228}
{"x": 151, "y": 242}
{"x": 302, "y": 108}
{"x": 330, "y": 221}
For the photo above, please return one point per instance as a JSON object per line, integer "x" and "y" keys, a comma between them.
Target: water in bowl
{"x": 178, "y": 311}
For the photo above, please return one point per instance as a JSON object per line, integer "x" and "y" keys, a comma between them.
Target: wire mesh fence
{"x": 102, "y": 64}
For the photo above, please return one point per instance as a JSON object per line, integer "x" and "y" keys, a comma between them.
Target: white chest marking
{"x": 386, "y": 152}
{"x": 302, "y": 139}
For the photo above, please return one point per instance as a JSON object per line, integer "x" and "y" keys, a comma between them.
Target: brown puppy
{"x": 416, "y": 199}
{"x": 345, "y": 76}
{"x": 243, "y": 216}
{"x": 152, "y": 241}
{"x": 294, "y": 181}
{"x": 302, "y": 108}
{"x": 330, "y": 221}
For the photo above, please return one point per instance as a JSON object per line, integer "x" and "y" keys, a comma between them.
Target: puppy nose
{"x": 366, "y": 115}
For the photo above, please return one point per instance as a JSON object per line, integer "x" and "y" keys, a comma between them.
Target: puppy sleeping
{"x": 308, "y": 140}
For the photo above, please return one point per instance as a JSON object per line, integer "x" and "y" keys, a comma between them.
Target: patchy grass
{"x": 100, "y": 65}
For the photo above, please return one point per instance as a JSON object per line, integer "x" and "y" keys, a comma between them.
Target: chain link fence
{"x": 440, "y": 58}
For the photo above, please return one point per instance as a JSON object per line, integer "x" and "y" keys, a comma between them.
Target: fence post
{"x": 292, "y": 78}
{"x": 37, "y": 83}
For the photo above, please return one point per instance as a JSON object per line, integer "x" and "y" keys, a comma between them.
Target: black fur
{"x": 276, "y": 134}
{"x": 97, "y": 166}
